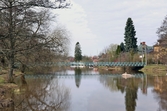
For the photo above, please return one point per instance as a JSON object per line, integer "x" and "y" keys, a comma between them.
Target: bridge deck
{"x": 132, "y": 64}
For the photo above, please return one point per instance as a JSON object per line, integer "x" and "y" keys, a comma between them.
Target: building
{"x": 160, "y": 52}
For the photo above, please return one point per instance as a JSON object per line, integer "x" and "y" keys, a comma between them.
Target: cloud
{"x": 97, "y": 24}
{"x": 111, "y": 15}
{"x": 75, "y": 20}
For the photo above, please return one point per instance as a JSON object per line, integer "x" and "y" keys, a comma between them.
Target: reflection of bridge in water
{"x": 68, "y": 76}
{"x": 132, "y": 64}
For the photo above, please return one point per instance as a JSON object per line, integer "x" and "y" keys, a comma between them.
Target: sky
{"x": 96, "y": 24}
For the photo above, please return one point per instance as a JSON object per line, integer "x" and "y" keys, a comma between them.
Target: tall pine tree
{"x": 78, "y": 52}
{"x": 129, "y": 35}
{"x": 122, "y": 47}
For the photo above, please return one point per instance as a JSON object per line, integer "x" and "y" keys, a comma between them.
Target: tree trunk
{"x": 10, "y": 73}
{"x": 11, "y": 39}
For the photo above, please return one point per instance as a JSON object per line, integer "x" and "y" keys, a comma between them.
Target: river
{"x": 91, "y": 90}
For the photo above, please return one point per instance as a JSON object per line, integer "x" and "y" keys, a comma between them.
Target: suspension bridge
{"x": 83, "y": 64}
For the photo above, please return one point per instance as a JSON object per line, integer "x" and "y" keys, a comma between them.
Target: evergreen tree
{"x": 118, "y": 51}
{"x": 129, "y": 35}
{"x": 122, "y": 47}
{"x": 78, "y": 52}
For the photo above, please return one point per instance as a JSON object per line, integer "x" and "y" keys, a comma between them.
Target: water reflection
{"x": 78, "y": 73}
{"x": 99, "y": 92}
{"x": 42, "y": 95}
{"x": 131, "y": 95}
{"x": 129, "y": 86}
{"x": 160, "y": 90}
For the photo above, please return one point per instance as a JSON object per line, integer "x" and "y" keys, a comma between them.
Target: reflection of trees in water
{"x": 161, "y": 90}
{"x": 78, "y": 73}
{"x": 121, "y": 84}
{"x": 42, "y": 95}
{"x": 109, "y": 82}
{"x": 129, "y": 86}
{"x": 88, "y": 71}
{"x": 43, "y": 69}
{"x": 131, "y": 94}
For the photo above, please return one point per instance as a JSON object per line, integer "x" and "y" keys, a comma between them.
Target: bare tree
{"x": 162, "y": 42}
{"x": 162, "y": 31}
{"x": 43, "y": 3}
{"x": 24, "y": 30}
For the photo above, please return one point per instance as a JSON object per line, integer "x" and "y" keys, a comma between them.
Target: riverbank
{"x": 152, "y": 69}
{"x": 6, "y": 93}
{"x": 6, "y": 90}
{"x": 155, "y": 69}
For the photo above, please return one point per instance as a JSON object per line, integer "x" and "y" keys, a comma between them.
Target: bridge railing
{"x": 115, "y": 64}
{"x": 135, "y": 64}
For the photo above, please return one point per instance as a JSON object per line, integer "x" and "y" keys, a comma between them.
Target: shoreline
{"x": 155, "y": 69}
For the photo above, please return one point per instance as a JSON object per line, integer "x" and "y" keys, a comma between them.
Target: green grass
{"x": 155, "y": 69}
{"x": 2, "y": 80}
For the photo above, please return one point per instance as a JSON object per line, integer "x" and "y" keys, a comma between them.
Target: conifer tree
{"x": 129, "y": 35}
{"x": 78, "y": 52}
{"x": 122, "y": 47}
{"x": 118, "y": 51}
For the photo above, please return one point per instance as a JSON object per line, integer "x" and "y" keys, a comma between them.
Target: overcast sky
{"x": 96, "y": 24}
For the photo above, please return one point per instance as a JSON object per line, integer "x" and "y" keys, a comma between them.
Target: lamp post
{"x": 144, "y": 52}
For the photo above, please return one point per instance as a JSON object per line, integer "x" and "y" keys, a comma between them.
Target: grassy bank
{"x": 155, "y": 69}
{"x": 4, "y": 74}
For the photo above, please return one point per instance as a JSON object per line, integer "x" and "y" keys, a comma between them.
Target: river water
{"x": 91, "y": 90}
